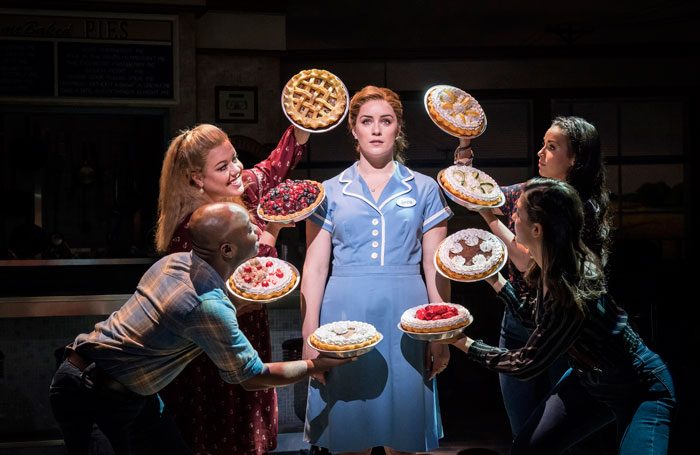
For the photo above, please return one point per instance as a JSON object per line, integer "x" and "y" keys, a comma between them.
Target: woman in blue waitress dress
{"x": 380, "y": 221}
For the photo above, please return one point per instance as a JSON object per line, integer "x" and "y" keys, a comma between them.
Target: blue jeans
{"x": 132, "y": 423}
{"x": 522, "y": 397}
{"x": 639, "y": 395}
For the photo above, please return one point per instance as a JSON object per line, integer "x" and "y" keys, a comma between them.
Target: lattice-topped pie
{"x": 471, "y": 185}
{"x": 344, "y": 336}
{"x": 291, "y": 200}
{"x": 262, "y": 278}
{"x": 315, "y": 99}
{"x": 470, "y": 254}
{"x": 455, "y": 111}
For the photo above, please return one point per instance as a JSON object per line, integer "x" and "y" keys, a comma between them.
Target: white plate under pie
{"x": 273, "y": 299}
{"x": 295, "y": 219}
{"x": 427, "y": 109}
{"x": 470, "y": 280}
{"x": 434, "y": 336}
{"x": 462, "y": 202}
{"x": 348, "y": 353}
{"x": 328, "y": 128}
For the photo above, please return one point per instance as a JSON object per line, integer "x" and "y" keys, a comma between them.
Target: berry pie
{"x": 291, "y": 200}
{"x": 435, "y": 318}
{"x": 315, "y": 99}
{"x": 455, "y": 111}
{"x": 263, "y": 278}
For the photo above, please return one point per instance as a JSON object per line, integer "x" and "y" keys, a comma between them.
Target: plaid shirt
{"x": 179, "y": 309}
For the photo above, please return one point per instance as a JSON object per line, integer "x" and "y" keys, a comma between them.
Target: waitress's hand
{"x": 437, "y": 358}
{"x": 464, "y": 153}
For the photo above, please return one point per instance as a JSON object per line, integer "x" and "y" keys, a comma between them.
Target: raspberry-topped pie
{"x": 455, "y": 111}
{"x": 471, "y": 185}
{"x": 262, "y": 278}
{"x": 470, "y": 254}
{"x": 315, "y": 99}
{"x": 291, "y": 200}
{"x": 435, "y": 318}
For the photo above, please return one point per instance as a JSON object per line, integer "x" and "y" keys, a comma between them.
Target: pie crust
{"x": 455, "y": 111}
{"x": 470, "y": 254}
{"x": 262, "y": 278}
{"x": 435, "y": 318}
{"x": 471, "y": 185}
{"x": 344, "y": 336}
{"x": 315, "y": 99}
{"x": 291, "y": 200}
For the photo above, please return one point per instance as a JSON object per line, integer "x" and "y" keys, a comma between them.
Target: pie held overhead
{"x": 455, "y": 111}
{"x": 315, "y": 99}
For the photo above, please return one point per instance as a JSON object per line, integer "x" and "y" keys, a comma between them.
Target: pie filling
{"x": 435, "y": 317}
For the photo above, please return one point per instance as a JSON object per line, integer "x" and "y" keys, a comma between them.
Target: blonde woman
{"x": 201, "y": 166}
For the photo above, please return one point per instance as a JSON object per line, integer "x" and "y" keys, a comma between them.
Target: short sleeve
{"x": 435, "y": 209}
{"x": 322, "y": 215}
{"x": 511, "y": 193}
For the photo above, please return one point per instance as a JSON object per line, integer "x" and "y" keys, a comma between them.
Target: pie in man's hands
{"x": 315, "y": 99}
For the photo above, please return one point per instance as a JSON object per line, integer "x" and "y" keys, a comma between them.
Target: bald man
{"x": 111, "y": 376}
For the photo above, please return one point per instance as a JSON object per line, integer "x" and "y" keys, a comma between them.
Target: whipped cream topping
{"x": 409, "y": 318}
{"x": 458, "y": 107}
{"x": 472, "y": 182}
{"x": 471, "y": 251}
{"x": 341, "y": 333}
{"x": 262, "y": 275}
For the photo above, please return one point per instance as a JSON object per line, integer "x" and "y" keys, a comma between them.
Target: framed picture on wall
{"x": 236, "y": 104}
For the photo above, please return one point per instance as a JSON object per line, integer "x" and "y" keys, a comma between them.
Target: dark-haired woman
{"x": 615, "y": 375}
{"x": 570, "y": 152}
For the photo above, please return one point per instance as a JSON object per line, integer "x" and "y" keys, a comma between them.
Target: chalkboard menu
{"x": 115, "y": 70}
{"x": 66, "y": 57}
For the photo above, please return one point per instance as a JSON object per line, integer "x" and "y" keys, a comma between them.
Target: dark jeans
{"x": 522, "y": 397}
{"x": 132, "y": 423}
{"x": 640, "y": 396}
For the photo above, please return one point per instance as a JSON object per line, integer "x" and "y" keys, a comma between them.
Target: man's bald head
{"x": 222, "y": 227}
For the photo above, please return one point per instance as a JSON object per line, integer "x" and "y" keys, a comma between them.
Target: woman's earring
{"x": 201, "y": 190}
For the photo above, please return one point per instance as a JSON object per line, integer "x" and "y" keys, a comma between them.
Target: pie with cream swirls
{"x": 344, "y": 336}
{"x": 455, "y": 111}
{"x": 262, "y": 278}
{"x": 470, "y": 254}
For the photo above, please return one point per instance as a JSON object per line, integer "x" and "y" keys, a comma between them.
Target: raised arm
{"x": 517, "y": 253}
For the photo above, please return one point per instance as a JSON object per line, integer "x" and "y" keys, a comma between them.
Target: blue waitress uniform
{"x": 384, "y": 398}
